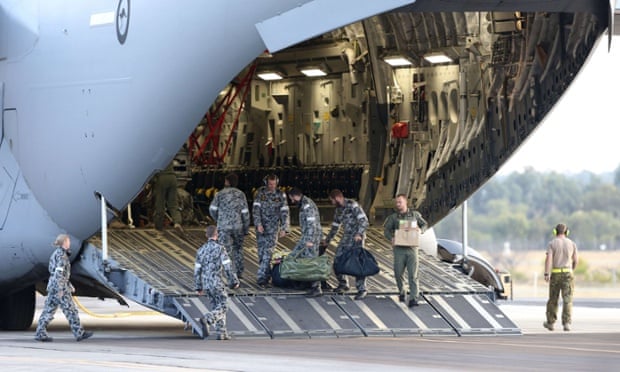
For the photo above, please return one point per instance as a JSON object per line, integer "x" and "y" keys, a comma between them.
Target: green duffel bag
{"x": 306, "y": 269}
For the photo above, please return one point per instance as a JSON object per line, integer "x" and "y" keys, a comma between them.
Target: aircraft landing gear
{"x": 17, "y": 310}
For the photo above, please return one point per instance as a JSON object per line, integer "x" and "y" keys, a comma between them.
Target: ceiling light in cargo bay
{"x": 397, "y": 61}
{"x": 437, "y": 58}
{"x": 313, "y": 71}
{"x": 270, "y": 75}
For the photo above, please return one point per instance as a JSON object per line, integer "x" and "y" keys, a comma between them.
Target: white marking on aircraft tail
{"x": 102, "y": 19}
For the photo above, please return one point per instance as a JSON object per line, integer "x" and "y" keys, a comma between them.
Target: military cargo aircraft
{"x": 426, "y": 98}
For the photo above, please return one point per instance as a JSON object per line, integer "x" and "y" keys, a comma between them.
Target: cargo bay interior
{"x": 428, "y": 104}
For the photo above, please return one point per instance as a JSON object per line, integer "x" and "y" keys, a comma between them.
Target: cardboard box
{"x": 407, "y": 224}
{"x": 408, "y": 238}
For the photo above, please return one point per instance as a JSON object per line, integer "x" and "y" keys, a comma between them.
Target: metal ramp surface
{"x": 295, "y": 316}
{"x": 472, "y": 314}
{"x": 155, "y": 269}
{"x": 239, "y": 320}
{"x": 300, "y": 317}
{"x": 382, "y": 315}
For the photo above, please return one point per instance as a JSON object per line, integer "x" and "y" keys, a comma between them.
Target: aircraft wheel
{"x": 17, "y": 310}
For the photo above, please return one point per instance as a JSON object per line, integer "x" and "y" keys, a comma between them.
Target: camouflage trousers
{"x": 65, "y": 301}
{"x": 219, "y": 307}
{"x": 233, "y": 241}
{"x": 266, "y": 244}
{"x": 563, "y": 283}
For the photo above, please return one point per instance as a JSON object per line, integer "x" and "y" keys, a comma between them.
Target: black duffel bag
{"x": 356, "y": 261}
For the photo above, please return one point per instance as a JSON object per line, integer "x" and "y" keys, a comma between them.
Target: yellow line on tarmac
{"x": 115, "y": 315}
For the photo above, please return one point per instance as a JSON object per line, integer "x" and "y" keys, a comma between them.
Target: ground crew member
{"x": 560, "y": 263}
{"x": 230, "y": 211}
{"x": 211, "y": 260}
{"x": 405, "y": 256}
{"x": 271, "y": 219}
{"x": 310, "y": 224}
{"x": 165, "y": 190}
{"x": 351, "y": 216}
{"x": 59, "y": 292}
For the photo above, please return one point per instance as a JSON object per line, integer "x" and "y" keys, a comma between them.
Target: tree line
{"x": 521, "y": 209}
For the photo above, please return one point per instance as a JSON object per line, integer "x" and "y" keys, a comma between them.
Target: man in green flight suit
{"x": 405, "y": 256}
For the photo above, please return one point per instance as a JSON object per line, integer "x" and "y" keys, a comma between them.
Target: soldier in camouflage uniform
{"x": 310, "y": 224}
{"x": 559, "y": 265}
{"x": 211, "y": 259}
{"x": 59, "y": 291}
{"x": 349, "y": 214}
{"x": 230, "y": 211}
{"x": 271, "y": 218}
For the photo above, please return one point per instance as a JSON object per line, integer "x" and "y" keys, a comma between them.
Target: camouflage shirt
{"x": 310, "y": 221}
{"x": 60, "y": 271}
{"x": 211, "y": 259}
{"x": 270, "y": 209}
{"x": 353, "y": 219}
{"x": 229, "y": 209}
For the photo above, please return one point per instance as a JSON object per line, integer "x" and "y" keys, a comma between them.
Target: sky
{"x": 582, "y": 131}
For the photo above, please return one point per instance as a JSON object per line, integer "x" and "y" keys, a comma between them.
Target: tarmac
{"x": 135, "y": 338}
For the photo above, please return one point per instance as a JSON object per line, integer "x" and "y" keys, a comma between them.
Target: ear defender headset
{"x": 559, "y": 227}
{"x": 272, "y": 176}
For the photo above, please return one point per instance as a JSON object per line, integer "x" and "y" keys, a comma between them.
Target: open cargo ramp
{"x": 155, "y": 269}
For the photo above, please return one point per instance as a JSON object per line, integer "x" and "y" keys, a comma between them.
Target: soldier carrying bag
{"x": 306, "y": 269}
